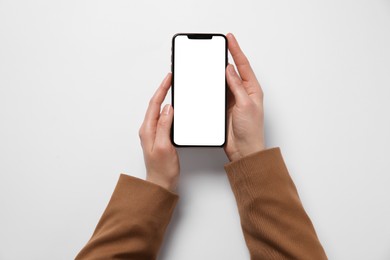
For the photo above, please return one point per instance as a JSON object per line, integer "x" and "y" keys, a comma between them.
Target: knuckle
{"x": 152, "y": 101}
{"x": 159, "y": 149}
{"x": 163, "y": 122}
{"x": 247, "y": 104}
{"x": 141, "y": 133}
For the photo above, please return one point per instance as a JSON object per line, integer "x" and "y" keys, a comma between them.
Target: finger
{"x": 241, "y": 61}
{"x": 153, "y": 111}
{"x": 148, "y": 128}
{"x": 236, "y": 86}
{"x": 164, "y": 128}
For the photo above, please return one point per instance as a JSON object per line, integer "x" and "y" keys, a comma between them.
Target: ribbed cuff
{"x": 145, "y": 197}
{"x": 257, "y": 168}
{"x": 246, "y": 163}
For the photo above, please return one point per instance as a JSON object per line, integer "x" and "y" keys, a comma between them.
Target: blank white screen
{"x": 199, "y": 91}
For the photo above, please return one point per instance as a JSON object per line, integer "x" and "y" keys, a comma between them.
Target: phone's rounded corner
{"x": 174, "y": 143}
{"x": 176, "y": 35}
{"x": 223, "y": 144}
{"x": 222, "y": 35}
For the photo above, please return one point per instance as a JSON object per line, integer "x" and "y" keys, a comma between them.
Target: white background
{"x": 75, "y": 80}
{"x": 199, "y": 91}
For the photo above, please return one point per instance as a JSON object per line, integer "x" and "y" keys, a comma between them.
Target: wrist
{"x": 245, "y": 151}
{"x": 167, "y": 183}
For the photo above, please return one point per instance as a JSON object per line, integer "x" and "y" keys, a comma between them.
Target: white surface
{"x": 75, "y": 80}
{"x": 199, "y": 91}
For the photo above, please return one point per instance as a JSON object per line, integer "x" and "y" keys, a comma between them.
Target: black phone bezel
{"x": 199, "y": 36}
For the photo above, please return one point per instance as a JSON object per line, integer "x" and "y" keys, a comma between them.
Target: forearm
{"x": 133, "y": 223}
{"x": 273, "y": 220}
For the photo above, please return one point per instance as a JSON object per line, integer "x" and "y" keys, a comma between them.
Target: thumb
{"x": 164, "y": 127}
{"x": 235, "y": 85}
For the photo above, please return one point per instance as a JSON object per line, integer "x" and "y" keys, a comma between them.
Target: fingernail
{"x": 166, "y": 109}
{"x": 231, "y": 69}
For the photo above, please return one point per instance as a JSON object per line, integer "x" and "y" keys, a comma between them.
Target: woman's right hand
{"x": 245, "y": 132}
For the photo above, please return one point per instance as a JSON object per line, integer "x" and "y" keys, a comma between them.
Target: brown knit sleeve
{"x": 134, "y": 222}
{"x": 273, "y": 220}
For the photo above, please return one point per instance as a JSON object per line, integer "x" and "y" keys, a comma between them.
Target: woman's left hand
{"x": 161, "y": 159}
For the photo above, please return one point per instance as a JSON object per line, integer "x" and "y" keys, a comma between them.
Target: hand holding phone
{"x": 160, "y": 157}
{"x": 245, "y": 106}
{"x": 245, "y": 133}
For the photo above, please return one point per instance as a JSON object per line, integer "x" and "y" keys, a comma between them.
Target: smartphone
{"x": 199, "y": 93}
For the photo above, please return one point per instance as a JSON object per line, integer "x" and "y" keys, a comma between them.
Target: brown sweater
{"x": 273, "y": 220}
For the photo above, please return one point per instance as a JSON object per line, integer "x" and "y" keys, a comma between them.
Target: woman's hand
{"x": 245, "y": 106}
{"x": 161, "y": 159}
